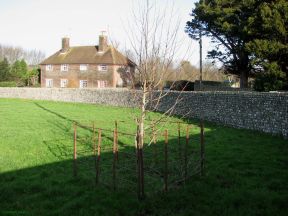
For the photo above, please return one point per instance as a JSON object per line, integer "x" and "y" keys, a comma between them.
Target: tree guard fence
{"x": 167, "y": 160}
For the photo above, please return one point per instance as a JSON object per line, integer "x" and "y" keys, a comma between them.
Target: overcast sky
{"x": 40, "y": 24}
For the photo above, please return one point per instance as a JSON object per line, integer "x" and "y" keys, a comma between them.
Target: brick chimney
{"x": 103, "y": 45}
{"x": 65, "y": 44}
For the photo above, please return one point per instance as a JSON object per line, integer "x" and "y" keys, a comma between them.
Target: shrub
{"x": 180, "y": 85}
{"x": 271, "y": 80}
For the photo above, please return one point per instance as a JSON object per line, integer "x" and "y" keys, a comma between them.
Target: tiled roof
{"x": 88, "y": 55}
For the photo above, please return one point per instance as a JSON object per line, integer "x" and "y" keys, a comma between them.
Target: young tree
{"x": 153, "y": 36}
{"x": 155, "y": 46}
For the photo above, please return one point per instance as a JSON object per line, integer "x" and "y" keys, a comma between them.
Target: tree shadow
{"x": 246, "y": 175}
{"x": 51, "y": 189}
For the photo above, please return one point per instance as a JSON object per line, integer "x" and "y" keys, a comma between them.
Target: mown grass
{"x": 246, "y": 171}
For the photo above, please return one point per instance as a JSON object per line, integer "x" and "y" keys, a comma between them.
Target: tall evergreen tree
{"x": 269, "y": 46}
{"x": 244, "y": 31}
{"x": 18, "y": 71}
{"x": 4, "y": 70}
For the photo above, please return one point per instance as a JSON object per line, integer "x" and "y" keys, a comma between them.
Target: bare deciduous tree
{"x": 191, "y": 73}
{"x": 32, "y": 57}
{"x": 154, "y": 38}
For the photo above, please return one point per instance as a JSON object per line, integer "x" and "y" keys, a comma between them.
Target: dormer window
{"x": 102, "y": 67}
{"x": 49, "y": 67}
{"x": 64, "y": 67}
{"x": 83, "y": 67}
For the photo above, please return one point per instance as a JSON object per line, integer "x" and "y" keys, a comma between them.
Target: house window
{"x": 64, "y": 67}
{"x": 83, "y": 83}
{"x": 83, "y": 67}
{"x": 102, "y": 67}
{"x": 49, "y": 67}
{"x": 63, "y": 83}
{"x": 49, "y": 83}
{"x": 102, "y": 83}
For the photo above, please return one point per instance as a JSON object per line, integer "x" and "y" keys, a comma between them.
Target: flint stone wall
{"x": 266, "y": 112}
{"x": 113, "y": 96}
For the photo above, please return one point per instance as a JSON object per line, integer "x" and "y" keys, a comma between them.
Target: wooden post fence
{"x": 182, "y": 153}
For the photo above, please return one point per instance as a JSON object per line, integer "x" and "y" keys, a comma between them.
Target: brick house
{"x": 100, "y": 66}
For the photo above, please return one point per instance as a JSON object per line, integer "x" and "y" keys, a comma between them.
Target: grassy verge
{"x": 246, "y": 171}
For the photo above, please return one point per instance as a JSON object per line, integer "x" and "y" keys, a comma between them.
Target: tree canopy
{"x": 250, "y": 36}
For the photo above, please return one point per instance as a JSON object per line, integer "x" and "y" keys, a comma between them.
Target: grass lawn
{"x": 246, "y": 171}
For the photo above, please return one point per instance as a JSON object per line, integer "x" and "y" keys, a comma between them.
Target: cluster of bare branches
{"x": 209, "y": 72}
{"x": 153, "y": 33}
{"x": 12, "y": 54}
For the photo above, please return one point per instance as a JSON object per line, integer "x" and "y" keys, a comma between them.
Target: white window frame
{"x": 63, "y": 83}
{"x": 102, "y": 83}
{"x": 49, "y": 83}
{"x": 102, "y": 67}
{"x": 64, "y": 67}
{"x": 83, "y": 83}
{"x": 83, "y": 67}
{"x": 49, "y": 67}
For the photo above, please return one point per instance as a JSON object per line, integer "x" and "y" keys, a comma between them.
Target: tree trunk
{"x": 143, "y": 112}
{"x": 244, "y": 79}
{"x": 243, "y": 66}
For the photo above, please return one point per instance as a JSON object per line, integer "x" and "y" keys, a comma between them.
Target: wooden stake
{"x": 142, "y": 172}
{"x": 179, "y": 142}
{"x": 202, "y": 148}
{"x": 185, "y": 152}
{"x": 98, "y": 156}
{"x": 94, "y": 140}
{"x": 154, "y": 145}
{"x": 75, "y": 151}
{"x": 116, "y": 139}
{"x": 166, "y": 161}
{"x": 114, "y": 160}
{"x": 138, "y": 163}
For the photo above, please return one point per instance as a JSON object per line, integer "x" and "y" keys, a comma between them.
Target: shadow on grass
{"x": 246, "y": 174}
{"x": 51, "y": 189}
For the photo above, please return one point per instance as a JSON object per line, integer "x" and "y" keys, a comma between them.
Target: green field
{"x": 246, "y": 171}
